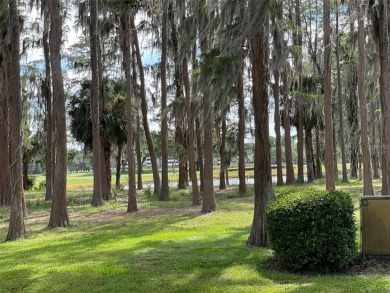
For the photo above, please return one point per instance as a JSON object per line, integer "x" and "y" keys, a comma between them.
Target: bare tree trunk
{"x": 97, "y": 198}
{"x": 209, "y": 203}
{"x": 222, "y": 182}
{"x": 309, "y": 154}
{"x": 118, "y": 167}
{"x": 368, "y": 189}
{"x": 279, "y": 181}
{"x": 340, "y": 101}
{"x": 164, "y": 195}
{"x": 138, "y": 153}
{"x": 383, "y": 34}
{"x": 5, "y": 191}
{"x": 374, "y": 147}
{"x": 318, "y": 154}
{"x": 46, "y": 86}
{"x": 59, "y": 213}
{"x": 144, "y": 109}
{"x": 262, "y": 161}
{"x": 126, "y": 29}
{"x": 290, "y": 179}
{"x": 107, "y": 166}
{"x": 190, "y": 135}
{"x": 200, "y": 153}
{"x": 16, "y": 227}
{"x": 241, "y": 132}
{"x": 329, "y": 155}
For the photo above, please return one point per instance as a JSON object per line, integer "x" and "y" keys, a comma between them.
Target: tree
{"x": 329, "y": 155}
{"x": 164, "y": 193}
{"x": 16, "y": 227}
{"x": 259, "y": 45}
{"x": 144, "y": 109}
{"x": 126, "y": 20}
{"x": 380, "y": 20}
{"x": 59, "y": 214}
{"x": 241, "y": 131}
{"x": 368, "y": 189}
{"x": 5, "y": 192}
{"x": 97, "y": 197}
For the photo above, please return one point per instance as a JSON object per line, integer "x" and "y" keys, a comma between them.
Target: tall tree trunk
{"x": 300, "y": 106}
{"x": 190, "y": 136}
{"x": 383, "y": 34}
{"x": 16, "y": 223}
{"x": 126, "y": 29}
{"x": 318, "y": 155}
{"x": 59, "y": 213}
{"x": 25, "y": 171}
{"x": 164, "y": 194}
{"x": 241, "y": 132}
{"x": 374, "y": 152}
{"x": 368, "y": 189}
{"x": 222, "y": 182}
{"x": 144, "y": 109}
{"x": 262, "y": 161}
{"x": 5, "y": 192}
{"x": 118, "y": 167}
{"x": 200, "y": 153}
{"x": 97, "y": 198}
{"x": 340, "y": 102}
{"x": 279, "y": 181}
{"x": 309, "y": 153}
{"x": 354, "y": 124}
{"x": 138, "y": 153}
{"x": 329, "y": 155}
{"x": 46, "y": 86}
{"x": 107, "y": 166}
{"x": 290, "y": 179}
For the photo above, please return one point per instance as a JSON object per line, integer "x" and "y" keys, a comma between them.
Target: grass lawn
{"x": 165, "y": 247}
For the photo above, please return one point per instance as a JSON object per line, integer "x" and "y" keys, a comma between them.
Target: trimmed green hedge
{"x": 313, "y": 230}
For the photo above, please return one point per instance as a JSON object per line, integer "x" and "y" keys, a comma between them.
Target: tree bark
{"x": 318, "y": 155}
{"x": 329, "y": 155}
{"x": 262, "y": 162}
{"x": 59, "y": 213}
{"x": 97, "y": 198}
{"x": 276, "y": 93}
{"x": 5, "y": 192}
{"x": 241, "y": 133}
{"x": 200, "y": 153}
{"x": 126, "y": 29}
{"x": 222, "y": 182}
{"x": 138, "y": 153}
{"x": 309, "y": 153}
{"x": 290, "y": 179}
{"x": 46, "y": 86}
{"x": 164, "y": 194}
{"x": 118, "y": 167}
{"x": 384, "y": 82}
{"x": 368, "y": 188}
{"x": 340, "y": 102}
{"x": 190, "y": 135}
{"x": 107, "y": 166}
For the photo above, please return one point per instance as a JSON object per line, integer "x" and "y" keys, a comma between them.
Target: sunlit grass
{"x": 165, "y": 247}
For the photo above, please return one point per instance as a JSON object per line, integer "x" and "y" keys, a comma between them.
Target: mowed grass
{"x": 165, "y": 247}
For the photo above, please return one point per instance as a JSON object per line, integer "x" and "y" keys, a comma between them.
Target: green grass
{"x": 165, "y": 247}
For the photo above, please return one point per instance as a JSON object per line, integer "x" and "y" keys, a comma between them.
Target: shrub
{"x": 30, "y": 182}
{"x": 313, "y": 230}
